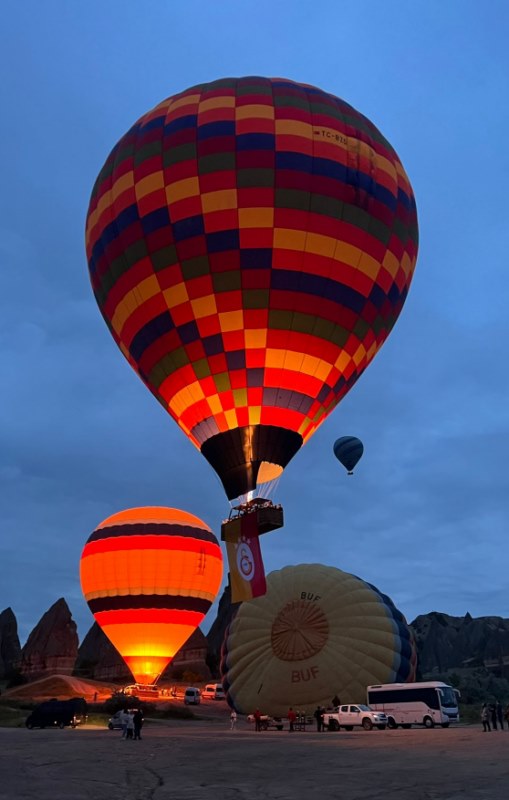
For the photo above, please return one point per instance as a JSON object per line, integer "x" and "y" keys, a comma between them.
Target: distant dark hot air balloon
{"x": 251, "y": 243}
{"x": 348, "y": 451}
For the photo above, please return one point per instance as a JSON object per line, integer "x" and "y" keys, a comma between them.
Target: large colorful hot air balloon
{"x": 251, "y": 242}
{"x": 149, "y": 576}
{"x": 317, "y": 633}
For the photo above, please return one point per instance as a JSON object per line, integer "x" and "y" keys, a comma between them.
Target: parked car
{"x": 58, "y": 713}
{"x": 351, "y": 716}
{"x": 114, "y": 722}
{"x": 214, "y": 691}
{"x": 192, "y": 696}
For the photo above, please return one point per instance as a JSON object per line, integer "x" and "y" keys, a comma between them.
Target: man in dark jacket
{"x": 138, "y": 722}
{"x": 318, "y": 715}
{"x": 292, "y": 716}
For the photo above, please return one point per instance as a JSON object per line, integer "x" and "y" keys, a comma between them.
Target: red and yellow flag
{"x": 247, "y": 573}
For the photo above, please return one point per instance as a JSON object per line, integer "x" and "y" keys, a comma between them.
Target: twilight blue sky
{"x": 425, "y": 518}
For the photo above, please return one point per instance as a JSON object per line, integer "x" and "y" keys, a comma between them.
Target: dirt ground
{"x": 202, "y": 760}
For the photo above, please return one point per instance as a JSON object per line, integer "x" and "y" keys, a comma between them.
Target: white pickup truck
{"x": 351, "y": 716}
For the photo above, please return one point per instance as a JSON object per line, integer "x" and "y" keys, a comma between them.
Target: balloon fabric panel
{"x": 251, "y": 243}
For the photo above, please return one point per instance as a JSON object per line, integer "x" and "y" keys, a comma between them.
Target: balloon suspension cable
{"x": 270, "y": 488}
{"x": 266, "y": 490}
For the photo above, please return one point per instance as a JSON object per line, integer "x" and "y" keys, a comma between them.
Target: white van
{"x": 192, "y": 696}
{"x": 214, "y": 691}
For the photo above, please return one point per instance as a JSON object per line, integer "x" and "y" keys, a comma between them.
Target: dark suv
{"x": 58, "y": 713}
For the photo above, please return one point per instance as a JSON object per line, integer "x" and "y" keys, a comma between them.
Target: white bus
{"x": 428, "y": 703}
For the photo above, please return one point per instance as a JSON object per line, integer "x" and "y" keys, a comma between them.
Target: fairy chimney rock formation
{"x": 445, "y": 643}
{"x": 98, "y": 659}
{"x": 10, "y": 649}
{"x": 225, "y": 613}
{"x": 52, "y": 646}
{"x": 191, "y": 658}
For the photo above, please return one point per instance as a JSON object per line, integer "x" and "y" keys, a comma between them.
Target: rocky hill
{"x": 52, "y": 647}
{"x": 447, "y": 643}
{"x": 215, "y": 636}
{"x": 472, "y": 653}
{"x": 98, "y": 659}
{"x": 10, "y": 650}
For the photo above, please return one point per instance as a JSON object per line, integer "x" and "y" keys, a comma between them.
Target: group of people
{"x": 494, "y": 714}
{"x": 294, "y": 717}
{"x": 172, "y": 692}
{"x": 132, "y": 722}
{"x": 319, "y": 712}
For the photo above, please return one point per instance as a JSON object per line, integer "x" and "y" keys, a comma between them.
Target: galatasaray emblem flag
{"x": 247, "y": 573}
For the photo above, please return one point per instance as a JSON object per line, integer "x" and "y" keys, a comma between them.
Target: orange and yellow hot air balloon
{"x": 149, "y": 576}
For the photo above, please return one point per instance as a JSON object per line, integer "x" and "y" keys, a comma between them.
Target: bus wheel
{"x": 428, "y": 722}
{"x": 392, "y": 724}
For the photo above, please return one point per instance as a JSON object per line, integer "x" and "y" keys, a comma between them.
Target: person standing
{"x": 485, "y": 718}
{"x": 292, "y": 716}
{"x": 123, "y": 722}
{"x": 129, "y": 731}
{"x": 138, "y": 722}
{"x": 493, "y": 714}
{"x": 336, "y": 701}
{"x": 233, "y": 719}
{"x": 318, "y": 715}
{"x": 258, "y": 720}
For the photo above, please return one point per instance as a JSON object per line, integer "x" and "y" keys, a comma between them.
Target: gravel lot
{"x": 204, "y": 759}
